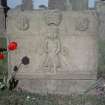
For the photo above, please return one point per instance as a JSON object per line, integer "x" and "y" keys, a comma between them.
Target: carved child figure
{"x": 52, "y": 49}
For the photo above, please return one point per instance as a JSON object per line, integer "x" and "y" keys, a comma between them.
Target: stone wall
{"x": 62, "y": 47}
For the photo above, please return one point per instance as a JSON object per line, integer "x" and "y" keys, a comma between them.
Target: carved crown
{"x": 53, "y": 17}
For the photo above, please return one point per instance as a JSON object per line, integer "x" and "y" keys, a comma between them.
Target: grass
{"x": 24, "y": 98}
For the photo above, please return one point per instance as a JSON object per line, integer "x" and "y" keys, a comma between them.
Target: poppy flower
{"x": 12, "y": 46}
{"x": 2, "y": 56}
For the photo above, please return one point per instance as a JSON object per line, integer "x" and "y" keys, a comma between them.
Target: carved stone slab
{"x": 62, "y": 48}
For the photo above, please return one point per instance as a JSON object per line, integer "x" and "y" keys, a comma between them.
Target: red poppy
{"x": 2, "y": 56}
{"x": 12, "y": 46}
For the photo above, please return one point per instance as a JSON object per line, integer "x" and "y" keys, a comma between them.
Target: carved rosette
{"x": 22, "y": 23}
{"x": 82, "y": 24}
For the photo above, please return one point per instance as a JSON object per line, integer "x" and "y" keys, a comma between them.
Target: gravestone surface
{"x": 100, "y": 6}
{"x": 79, "y": 4}
{"x": 100, "y": 9}
{"x": 55, "y": 4}
{"x": 62, "y": 47}
{"x": 27, "y": 5}
{"x": 76, "y": 5}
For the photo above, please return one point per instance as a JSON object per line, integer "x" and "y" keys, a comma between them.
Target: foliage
{"x": 42, "y": 6}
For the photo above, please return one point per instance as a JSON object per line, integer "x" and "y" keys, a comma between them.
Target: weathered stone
{"x": 22, "y": 23}
{"x": 100, "y": 9}
{"x": 79, "y": 4}
{"x": 27, "y": 5}
{"x": 100, "y": 6}
{"x": 44, "y": 86}
{"x": 76, "y": 5}
{"x": 63, "y": 57}
{"x": 55, "y": 4}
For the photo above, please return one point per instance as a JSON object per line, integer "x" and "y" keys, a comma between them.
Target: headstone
{"x": 68, "y": 5}
{"x": 100, "y": 6}
{"x": 56, "y": 4}
{"x": 100, "y": 9}
{"x": 79, "y": 4}
{"x": 61, "y": 46}
{"x": 76, "y": 5}
{"x": 27, "y": 5}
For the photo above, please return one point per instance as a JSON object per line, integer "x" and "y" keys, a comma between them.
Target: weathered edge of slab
{"x": 58, "y": 76}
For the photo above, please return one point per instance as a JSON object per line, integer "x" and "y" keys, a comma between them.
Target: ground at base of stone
{"x": 24, "y": 98}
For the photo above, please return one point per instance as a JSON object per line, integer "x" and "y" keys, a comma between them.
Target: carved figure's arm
{"x": 58, "y": 46}
{"x": 46, "y": 46}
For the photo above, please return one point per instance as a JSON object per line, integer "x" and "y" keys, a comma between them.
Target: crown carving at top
{"x": 53, "y": 17}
